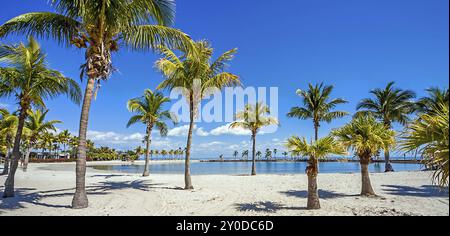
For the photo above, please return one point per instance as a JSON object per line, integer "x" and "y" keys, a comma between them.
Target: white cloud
{"x": 179, "y": 131}
{"x": 225, "y": 129}
{"x": 202, "y": 132}
{"x": 4, "y": 105}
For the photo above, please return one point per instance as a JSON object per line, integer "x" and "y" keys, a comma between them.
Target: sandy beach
{"x": 46, "y": 189}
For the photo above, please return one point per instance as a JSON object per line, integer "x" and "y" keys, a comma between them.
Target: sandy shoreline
{"x": 42, "y": 191}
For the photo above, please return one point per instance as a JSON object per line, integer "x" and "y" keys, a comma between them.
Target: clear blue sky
{"x": 356, "y": 45}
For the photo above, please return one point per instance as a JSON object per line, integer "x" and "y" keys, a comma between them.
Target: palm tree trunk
{"x": 147, "y": 151}
{"x": 316, "y": 131}
{"x": 313, "y": 194}
{"x": 80, "y": 199}
{"x": 187, "y": 170}
{"x": 6, "y": 164}
{"x": 9, "y": 183}
{"x": 254, "y": 153}
{"x": 27, "y": 159}
{"x": 388, "y": 166}
{"x": 366, "y": 187}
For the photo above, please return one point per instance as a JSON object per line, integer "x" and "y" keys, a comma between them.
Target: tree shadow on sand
{"x": 267, "y": 207}
{"x": 31, "y": 196}
{"x": 324, "y": 194}
{"x": 423, "y": 191}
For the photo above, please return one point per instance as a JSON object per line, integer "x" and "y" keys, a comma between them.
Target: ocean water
{"x": 242, "y": 168}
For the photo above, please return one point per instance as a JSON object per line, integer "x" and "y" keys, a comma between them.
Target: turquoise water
{"x": 240, "y": 168}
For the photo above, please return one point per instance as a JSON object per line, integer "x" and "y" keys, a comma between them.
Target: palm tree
{"x": 37, "y": 125}
{"x": 268, "y": 154}
{"x": 390, "y": 105}
{"x": 64, "y": 138}
{"x": 235, "y": 154}
{"x": 245, "y": 154}
{"x": 275, "y": 152}
{"x": 30, "y": 81}
{"x": 365, "y": 137}
{"x": 436, "y": 97}
{"x": 197, "y": 74}
{"x": 100, "y": 27}
{"x": 148, "y": 110}
{"x": 285, "y": 154}
{"x": 258, "y": 154}
{"x": 317, "y": 106}
{"x": 429, "y": 135}
{"x": 253, "y": 118}
{"x": 8, "y": 128}
{"x": 139, "y": 151}
{"x": 315, "y": 151}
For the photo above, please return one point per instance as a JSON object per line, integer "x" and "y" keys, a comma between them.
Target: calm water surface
{"x": 239, "y": 168}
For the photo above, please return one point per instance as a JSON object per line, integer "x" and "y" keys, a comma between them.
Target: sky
{"x": 355, "y": 45}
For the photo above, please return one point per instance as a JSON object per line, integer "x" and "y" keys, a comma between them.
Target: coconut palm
{"x": 8, "y": 128}
{"x": 390, "y": 105}
{"x": 235, "y": 154}
{"x": 315, "y": 151}
{"x": 258, "y": 154}
{"x": 317, "y": 106}
{"x": 30, "y": 81}
{"x": 365, "y": 137}
{"x": 253, "y": 118}
{"x": 197, "y": 75}
{"x": 268, "y": 154}
{"x": 37, "y": 125}
{"x": 148, "y": 110}
{"x": 245, "y": 154}
{"x": 64, "y": 138}
{"x": 429, "y": 135}
{"x": 285, "y": 154}
{"x": 99, "y": 27}
{"x": 436, "y": 97}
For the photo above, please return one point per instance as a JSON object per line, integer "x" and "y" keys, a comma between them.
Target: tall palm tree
{"x": 275, "y": 152}
{"x": 429, "y": 135}
{"x": 390, "y": 105}
{"x": 365, "y": 137}
{"x": 315, "y": 151}
{"x": 317, "y": 106}
{"x": 99, "y": 27}
{"x": 258, "y": 154}
{"x": 37, "y": 125}
{"x": 30, "y": 81}
{"x": 148, "y": 110}
{"x": 245, "y": 154}
{"x": 436, "y": 97}
{"x": 64, "y": 138}
{"x": 197, "y": 74}
{"x": 253, "y": 118}
{"x": 268, "y": 154}
{"x": 8, "y": 128}
{"x": 235, "y": 154}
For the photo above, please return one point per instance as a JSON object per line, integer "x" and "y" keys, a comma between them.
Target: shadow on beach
{"x": 267, "y": 207}
{"x": 423, "y": 191}
{"x": 32, "y": 196}
{"x": 324, "y": 194}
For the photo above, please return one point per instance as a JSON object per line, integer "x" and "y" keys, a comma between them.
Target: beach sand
{"x": 47, "y": 189}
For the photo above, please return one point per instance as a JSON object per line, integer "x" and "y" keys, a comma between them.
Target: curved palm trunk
{"x": 9, "y": 183}
{"x": 388, "y": 166}
{"x": 313, "y": 193}
{"x": 26, "y": 159}
{"x": 80, "y": 199}
{"x": 6, "y": 164}
{"x": 187, "y": 168}
{"x": 366, "y": 187}
{"x": 147, "y": 151}
{"x": 254, "y": 153}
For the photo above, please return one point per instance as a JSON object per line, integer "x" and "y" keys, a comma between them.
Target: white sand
{"x": 42, "y": 191}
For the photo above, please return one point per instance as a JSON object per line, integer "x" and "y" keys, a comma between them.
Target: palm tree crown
{"x": 316, "y": 150}
{"x": 365, "y": 136}
{"x": 390, "y": 105}
{"x": 436, "y": 97}
{"x": 148, "y": 110}
{"x": 254, "y": 117}
{"x": 317, "y": 106}
{"x": 37, "y": 124}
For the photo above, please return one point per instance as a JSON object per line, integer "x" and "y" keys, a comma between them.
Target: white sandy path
{"x": 47, "y": 192}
